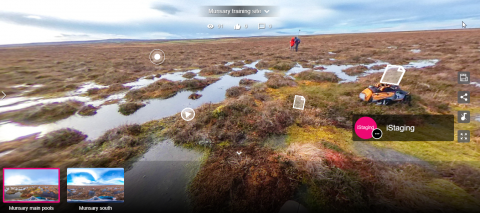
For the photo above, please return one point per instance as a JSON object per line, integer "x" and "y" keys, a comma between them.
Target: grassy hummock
{"x": 164, "y": 88}
{"x": 130, "y": 107}
{"x": 43, "y": 113}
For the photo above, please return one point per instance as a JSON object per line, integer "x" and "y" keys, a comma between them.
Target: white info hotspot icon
{"x": 393, "y": 74}
{"x": 298, "y": 102}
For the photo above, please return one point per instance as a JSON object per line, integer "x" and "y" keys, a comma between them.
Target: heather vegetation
{"x": 285, "y": 154}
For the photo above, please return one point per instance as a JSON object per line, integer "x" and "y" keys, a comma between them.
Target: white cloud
{"x": 93, "y": 172}
{"x": 18, "y": 180}
{"x": 34, "y": 17}
{"x": 57, "y": 20}
{"x": 80, "y": 181}
{"x": 113, "y": 181}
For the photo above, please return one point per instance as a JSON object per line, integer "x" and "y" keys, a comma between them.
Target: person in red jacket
{"x": 292, "y": 43}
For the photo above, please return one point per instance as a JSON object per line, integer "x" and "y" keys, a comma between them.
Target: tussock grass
{"x": 379, "y": 67}
{"x": 276, "y": 81}
{"x": 88, "y": 110}
{"x": 164, "y": 88}
{"x": 283, "y": 66}
{"x": 238, "y": 64}
{"x": 130, "y": 107}
{"x": 247, "y": 82}
{"x": 97, "y": 93}
{"x": 257, "y": 180}
{"x": 237, "y": 120}
{"x": 43, "y": 113}
{"x": 235, "y": 91}
{"x": 189, "y": 75}
{"x": 263, "y": 64}
{"x": 62, "y": 138}
{"x": 317, "y": 76}
{"x": 356, "y": 70}
{"x": 194, "y": 96}
{"x": 215, "y": 70}
{"x": 307, "y": 158}
{"x": 463, "y": 175}
{"x": 243, "y": 72}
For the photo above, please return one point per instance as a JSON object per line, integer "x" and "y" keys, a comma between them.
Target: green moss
{"x": 224, "y": 144}
{"x": 447, "y": 192}
{"x": 218, "y": 112}
{"x": 283, "y": 66}
{"x": 335, "y": 137}
{"x": 339, "y": 191}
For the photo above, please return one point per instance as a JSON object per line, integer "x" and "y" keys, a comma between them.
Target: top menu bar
{"x": 239, "y": 11}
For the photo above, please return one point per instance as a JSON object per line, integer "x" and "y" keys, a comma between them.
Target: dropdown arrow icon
{"x": 266, "y": 11}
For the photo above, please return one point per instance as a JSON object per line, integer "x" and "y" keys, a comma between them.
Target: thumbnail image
{"x": 25, "y": 185}
{"x": 95, "y": 185}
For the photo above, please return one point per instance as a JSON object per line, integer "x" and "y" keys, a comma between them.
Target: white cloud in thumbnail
{"x": 18, "y": 180}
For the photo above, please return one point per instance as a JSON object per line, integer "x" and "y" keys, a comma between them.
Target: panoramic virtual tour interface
{"x": 240, "y": 106}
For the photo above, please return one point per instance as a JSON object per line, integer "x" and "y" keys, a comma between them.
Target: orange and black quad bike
{"x": 385, "y": 94}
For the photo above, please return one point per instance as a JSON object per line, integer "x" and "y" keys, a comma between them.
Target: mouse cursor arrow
{"x": 464, "y": 25}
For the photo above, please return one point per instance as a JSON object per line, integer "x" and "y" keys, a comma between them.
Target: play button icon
{"x": 188, "y": 114}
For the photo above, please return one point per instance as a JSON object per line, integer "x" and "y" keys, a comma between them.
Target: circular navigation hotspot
{"x": 157, "y": 56}
{"x": 188, "y": 114}
{"x": 377, "y": 133}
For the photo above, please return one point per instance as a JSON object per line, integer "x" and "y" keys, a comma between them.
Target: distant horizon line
{"x": 124, "y": 40}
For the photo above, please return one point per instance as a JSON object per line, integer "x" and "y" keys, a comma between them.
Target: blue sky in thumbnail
{"x": 31, "y": 177}
{"x": 95, "y": 176}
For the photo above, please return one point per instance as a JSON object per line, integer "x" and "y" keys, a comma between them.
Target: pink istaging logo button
{"x": 364, "y": 127}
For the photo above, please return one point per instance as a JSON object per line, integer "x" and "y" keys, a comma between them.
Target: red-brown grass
{"x": 243, "y": 72}
{"x": 257, "y": 180}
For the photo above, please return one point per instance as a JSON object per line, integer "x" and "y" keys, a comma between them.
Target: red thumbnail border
{"x": 3, "y": 188}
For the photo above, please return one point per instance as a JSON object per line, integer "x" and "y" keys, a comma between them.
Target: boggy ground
{"x": 258, "y": 145}
{"x": 49, "y": 191}
{"x": 87, "y": 192}
{"x": 63, "y": 68}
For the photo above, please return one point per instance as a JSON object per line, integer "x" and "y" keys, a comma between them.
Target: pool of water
{"x": 12, "y": 196}
{"x": 421, "y": 63}
{"x": 108, "y": 117}
{"x": 24, "y": 102}
{"x": 338, "y": 69}
{"x": 162, "y": 176}
{"x": 86, "y": 86}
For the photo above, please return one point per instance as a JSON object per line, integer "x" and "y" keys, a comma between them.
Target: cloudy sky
{"x": 95, "y": 176}
{"x": 26, "y": 21}
{"x": 31, "y": 177}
